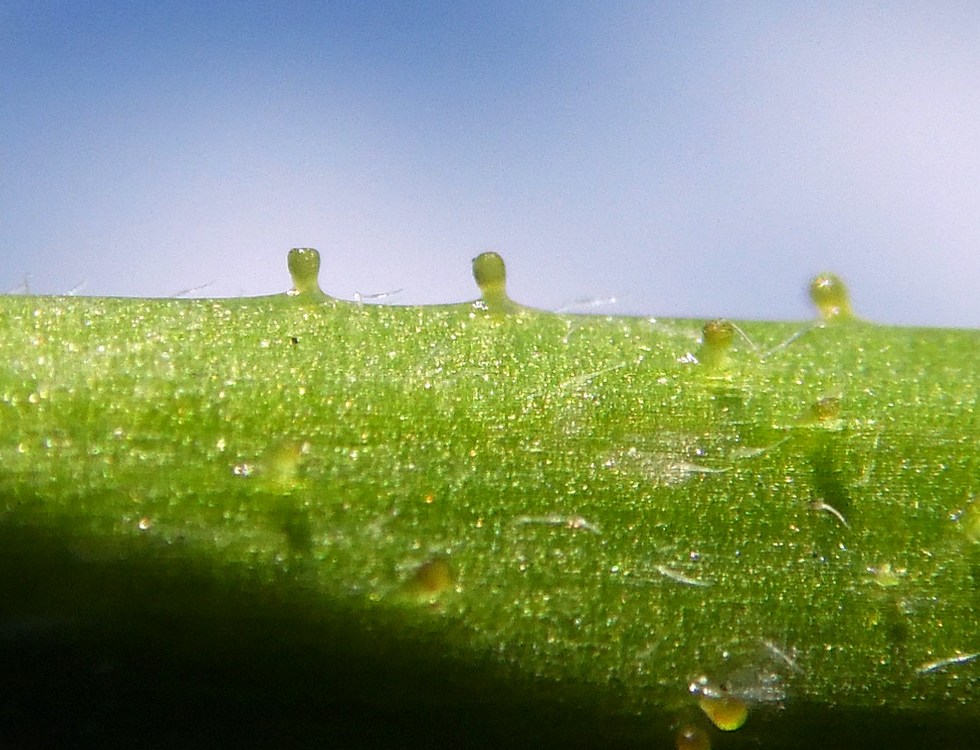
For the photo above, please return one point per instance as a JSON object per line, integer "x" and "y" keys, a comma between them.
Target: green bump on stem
{"x": 825, "y": 409}
{"x": 692, "y": 737}
{"x": 429, "y": 581}
{"x": 489, "y": 271}
{"x": 718, "y": 333}
{"x": 829, "y": 293}
{"x": 971, "y": 521}
{"x": 490, "y": 274}
{"x": 716, "y": 341}
{"x": 281, "y": 464}
{"x": 304, "y": 267}
{"x": 825, "y": 412}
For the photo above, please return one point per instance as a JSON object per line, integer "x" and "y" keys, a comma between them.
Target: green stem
{"x": 650, "y": 523}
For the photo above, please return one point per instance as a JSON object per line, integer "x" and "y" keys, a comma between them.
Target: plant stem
{"x": 627, "y": 517}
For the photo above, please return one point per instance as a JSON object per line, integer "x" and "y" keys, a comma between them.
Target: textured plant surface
{"x": 293, "y": 518}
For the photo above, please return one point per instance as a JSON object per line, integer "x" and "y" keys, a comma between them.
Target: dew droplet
{"x": 304, "y": 267}
{"x": 690, "y": 737}
{"x": 829, "y": 293}
{"x": 491, "y": 276}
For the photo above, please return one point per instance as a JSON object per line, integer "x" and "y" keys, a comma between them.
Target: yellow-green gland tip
{"x": 304, "y": 267}
{"x": 490, "y": 274}
{"x": 489, "y": 271}
{"x": 717, "y": 337}
{"x": 718, "y": 334}
{"x": 829, "y": 293}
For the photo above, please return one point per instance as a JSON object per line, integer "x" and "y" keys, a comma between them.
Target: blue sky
{"x": 701, "y": 159}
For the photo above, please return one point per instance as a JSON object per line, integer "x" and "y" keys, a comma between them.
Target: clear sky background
{"x": 686, "y": 158}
